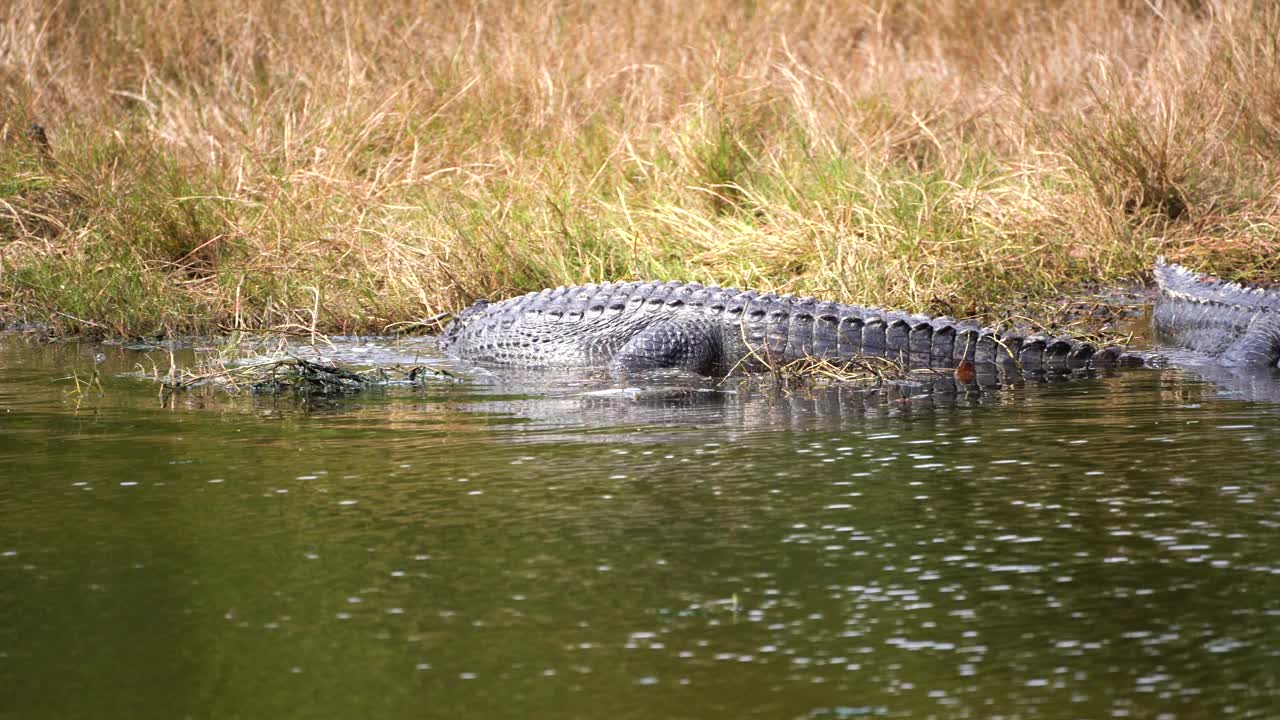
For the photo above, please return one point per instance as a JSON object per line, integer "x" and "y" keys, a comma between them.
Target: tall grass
{"x": 347, "y": 165}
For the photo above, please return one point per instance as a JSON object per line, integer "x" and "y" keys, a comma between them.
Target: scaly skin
{"x": 1235, "y": 325}
{"x": 709, "y": 330}
{"x": 712, "y": 330}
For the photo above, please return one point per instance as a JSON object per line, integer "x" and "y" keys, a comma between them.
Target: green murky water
{"x": 1096, "y": 548}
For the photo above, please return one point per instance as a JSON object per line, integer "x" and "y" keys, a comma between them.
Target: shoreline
{"x": 1107, "y": 313}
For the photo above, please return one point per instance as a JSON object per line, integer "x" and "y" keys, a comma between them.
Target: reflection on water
{"x": 1099, "y": 547}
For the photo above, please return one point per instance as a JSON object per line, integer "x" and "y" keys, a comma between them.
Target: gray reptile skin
{"x": 1234, "y": 325}
{"x": 637, "y": 326}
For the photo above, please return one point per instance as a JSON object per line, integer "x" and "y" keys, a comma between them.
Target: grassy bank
{"x": 350, "y": 165}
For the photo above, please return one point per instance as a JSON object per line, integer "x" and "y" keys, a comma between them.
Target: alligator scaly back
{"x": 1235, "y": 325}
{"x": 712, "y": 330}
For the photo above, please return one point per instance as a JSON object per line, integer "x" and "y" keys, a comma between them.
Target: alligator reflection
{"x": 1253, "y": 385}
{"x": 760, "y": 403}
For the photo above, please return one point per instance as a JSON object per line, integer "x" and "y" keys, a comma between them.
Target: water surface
{"x": 1102, "y": 547}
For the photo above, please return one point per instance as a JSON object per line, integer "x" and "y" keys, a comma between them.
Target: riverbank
{"x": 208, "y": 167}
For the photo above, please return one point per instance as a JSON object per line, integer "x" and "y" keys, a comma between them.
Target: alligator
{"x": 705, "y": 329}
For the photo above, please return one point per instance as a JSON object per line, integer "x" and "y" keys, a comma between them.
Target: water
{"x": 1096, "y": 548}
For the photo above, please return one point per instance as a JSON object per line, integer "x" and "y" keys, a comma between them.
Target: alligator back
{"x": 1216, "y": 318}
{"x": 712, "y": 330}
{"x": 579, "y": 326}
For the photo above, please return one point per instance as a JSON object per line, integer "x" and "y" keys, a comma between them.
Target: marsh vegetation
{"x": 345, "y": 167}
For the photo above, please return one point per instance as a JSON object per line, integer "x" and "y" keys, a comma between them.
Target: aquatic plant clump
{"x": 295, "y": 376}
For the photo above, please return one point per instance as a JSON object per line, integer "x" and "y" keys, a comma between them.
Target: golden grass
{"x": 347, "y": 165}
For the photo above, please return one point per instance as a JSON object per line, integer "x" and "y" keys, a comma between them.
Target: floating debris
{"x": 294, "y": 375}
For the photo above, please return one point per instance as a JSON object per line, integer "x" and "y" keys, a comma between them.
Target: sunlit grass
{"x": 348, "y": 166}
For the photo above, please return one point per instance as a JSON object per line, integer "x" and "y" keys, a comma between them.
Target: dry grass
{"x": 347, "y": 165}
